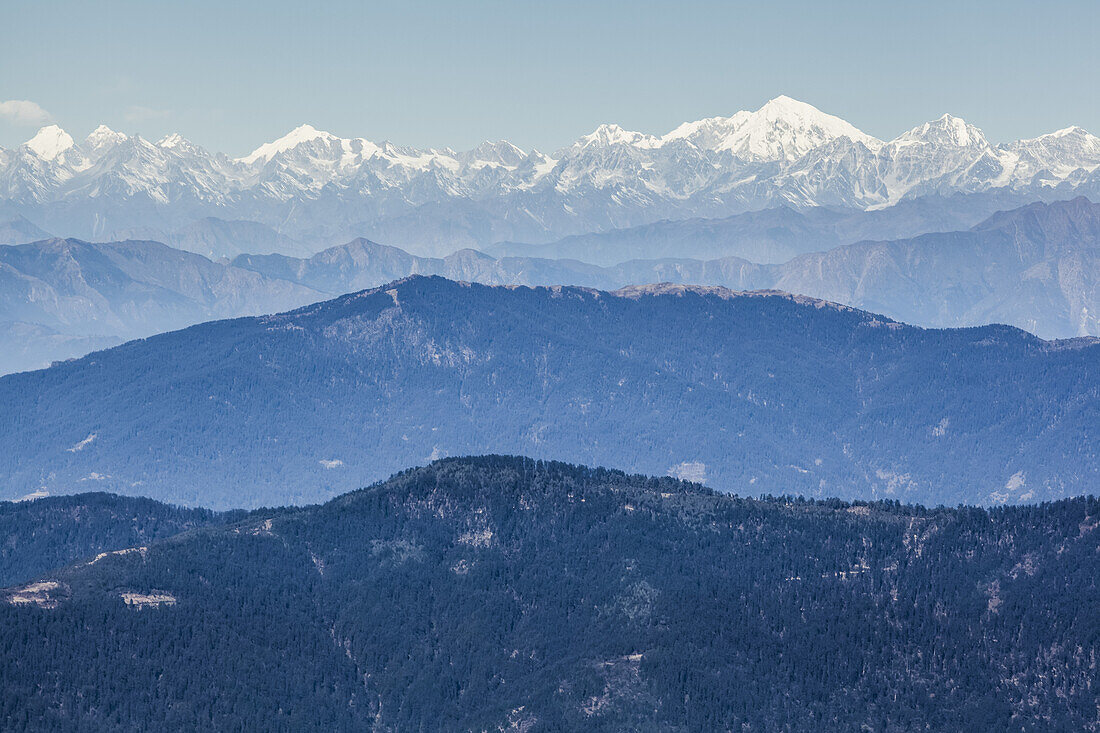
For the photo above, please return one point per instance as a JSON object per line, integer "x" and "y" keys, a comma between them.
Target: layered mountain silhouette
{"x": 1034, "y": 268}
{"x": 770, "y": 236}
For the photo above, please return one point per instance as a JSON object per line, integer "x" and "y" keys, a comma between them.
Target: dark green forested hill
{"x": 497, "y": 593}
{"x": 37, "y": 536}
{"x": 751, "y": 393}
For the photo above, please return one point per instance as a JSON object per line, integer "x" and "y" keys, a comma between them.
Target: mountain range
{"x": 752, "y": 393}
{"x": 312, "y": 186}
{"x": 501, "y": 593}
{"x": 770, "y": 236}
{"x": 1034, "y": 268}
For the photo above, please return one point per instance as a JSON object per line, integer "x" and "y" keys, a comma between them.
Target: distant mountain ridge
{"x": 751, "y": 392}
{"x": 1035, "y": 268}
{"x": 771, "y": 236}
{"x": 18, "y": 230}
{"x": 62, "y": 298}
{"x": 437, "y": 201}
{"x": 221, "y": 239}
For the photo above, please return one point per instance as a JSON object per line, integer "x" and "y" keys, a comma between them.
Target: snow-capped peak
{"x": 1057, "y": 154}
{"x": 710, "y": 132}
{"x": 174, "y": 140}
{"x": 500, "y": 152}
{"x": 785, "y": 129}
{"x": 787, "y": 107}
{"x": 782, "y": 129}
{"x": 104, "y": 132}
{"x": 1067, "y": 131}
{"x": 50, "y": 142}
{"x": 615, "y": 135}
{"x": 946, "y": 130}
{"x": 1073, "y": 132}
{"x": 289, "y": 141}
{"x": 102, "y": 138}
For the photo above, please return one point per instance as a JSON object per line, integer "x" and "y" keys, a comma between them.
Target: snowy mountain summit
{"x": 314, "y": 184}
{"x": 783, "y": 129}
{"x": 50, "y": 142}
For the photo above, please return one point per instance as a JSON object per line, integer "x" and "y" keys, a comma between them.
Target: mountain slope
{"x": 18, "y": 230}
{"x": 755, "y": 392}
{"x": 495, "y": 593}
{"x": 1037, "y": 268}
{"x": 62, "y": 297}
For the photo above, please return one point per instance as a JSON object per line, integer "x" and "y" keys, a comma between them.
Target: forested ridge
{"x": 749, "y": 393}
{"x": 497, "y": 592}
{"x": 50, "y": 532}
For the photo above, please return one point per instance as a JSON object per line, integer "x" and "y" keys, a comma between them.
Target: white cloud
{"x": 23, "y": 112}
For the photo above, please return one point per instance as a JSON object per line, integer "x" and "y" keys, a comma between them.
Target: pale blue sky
{"x": 232, "y": 75}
